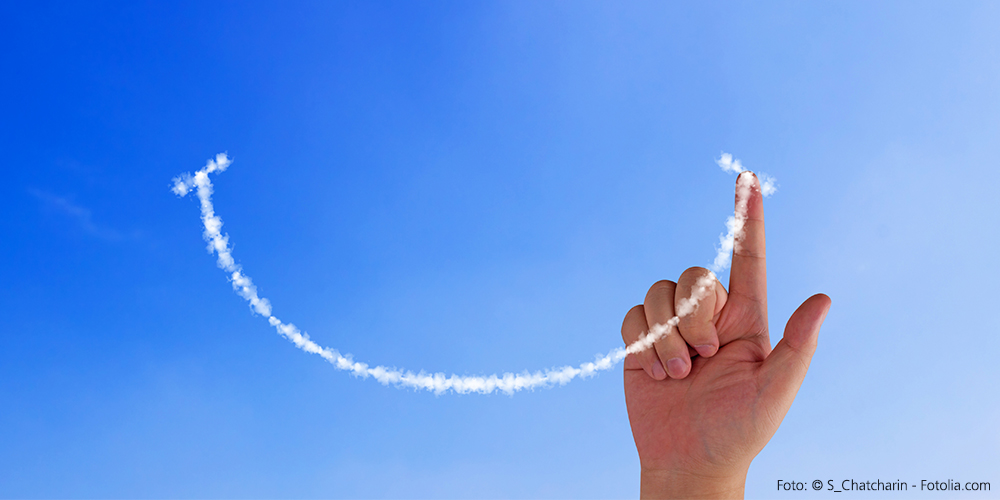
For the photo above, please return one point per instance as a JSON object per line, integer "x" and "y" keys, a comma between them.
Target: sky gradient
{"x": 476, "y": 188}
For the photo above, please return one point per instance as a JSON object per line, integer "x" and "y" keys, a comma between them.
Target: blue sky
{"x": 473, "y": 188}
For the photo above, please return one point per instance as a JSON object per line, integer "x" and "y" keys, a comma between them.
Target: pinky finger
{"x": 633, "y": 328}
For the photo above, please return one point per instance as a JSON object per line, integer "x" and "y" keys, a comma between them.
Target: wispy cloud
{"x": 438, "y": 383}
{"x": 81, "y": 215}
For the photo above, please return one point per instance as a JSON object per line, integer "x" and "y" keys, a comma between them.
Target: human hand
{"x": 710, "y": 394}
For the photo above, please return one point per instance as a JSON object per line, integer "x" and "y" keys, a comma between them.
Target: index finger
{"x": 749, "y": 275}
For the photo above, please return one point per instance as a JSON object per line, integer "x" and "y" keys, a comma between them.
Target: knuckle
{"x": 662, "y": 288}
{"x": 635, "y": 311}
{"x": 693, "y": 274}
{"x": 632, "y": 320}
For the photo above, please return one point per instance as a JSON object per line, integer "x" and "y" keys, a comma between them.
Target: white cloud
{"x": 728, "y": 164}
{"x": 768, "y": 184}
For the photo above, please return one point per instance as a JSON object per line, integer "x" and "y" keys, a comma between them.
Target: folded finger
{"x": 698, "y": 300}
{"x": 670, "y": 348}
{"x": 634, "y": 328}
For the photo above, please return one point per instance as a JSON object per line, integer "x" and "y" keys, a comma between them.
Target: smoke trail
{"x": 438, "y": 383}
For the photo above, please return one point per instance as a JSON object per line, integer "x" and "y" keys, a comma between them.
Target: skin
{"x": 710, "y": 394}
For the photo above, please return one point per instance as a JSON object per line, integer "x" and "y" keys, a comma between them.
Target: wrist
{"x": 675, "y": 484}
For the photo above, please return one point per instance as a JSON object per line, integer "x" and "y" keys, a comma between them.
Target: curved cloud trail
{"x": 439, "y": 383}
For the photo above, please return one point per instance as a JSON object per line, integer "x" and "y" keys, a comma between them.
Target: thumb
{"x": 785, "y": 368}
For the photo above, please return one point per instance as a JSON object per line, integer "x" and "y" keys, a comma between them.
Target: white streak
{"x": 438, "y": 383}
{"x": 728, "y": 164}
{"x": 768, "y": 184}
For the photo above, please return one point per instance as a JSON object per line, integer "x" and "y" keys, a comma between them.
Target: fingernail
{"x": 705, "y": 350}
{"x": 676, "y": 367}
{"x": 658, "y": 372}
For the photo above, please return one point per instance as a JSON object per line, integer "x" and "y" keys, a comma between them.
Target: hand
{"x": 710, "y": 394}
